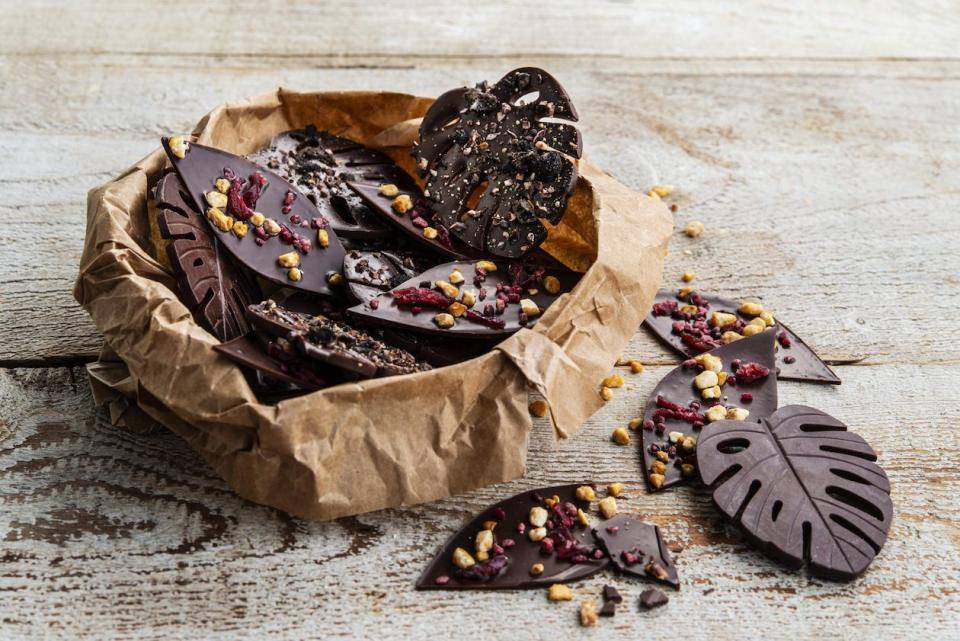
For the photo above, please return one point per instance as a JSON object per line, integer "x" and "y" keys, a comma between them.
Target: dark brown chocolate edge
{"x": 650, "y": 537}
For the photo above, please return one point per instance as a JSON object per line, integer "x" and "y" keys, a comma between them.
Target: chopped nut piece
{"x": 334, "y": 278}
{"x": 705, "y": 379}
{"x": 444, "y": 321}
{"x": 529, "y": 307}
{"x": 712, "y": 392}
{"x": 662, "y": 456}
{"x": 536, "y": 569}
{"x": 552, "y": 284}
{"x": 687, "y": 470}
{"x": 688, "y": 277}
{"x": 483, "y": 542}
{"x": 752, "y": 329}
{"x": 456, "y": 277}
{"x": 240, "y": 229}
{"x": 489, "y": 524}
{"x": 551, "y": 501}
{"x": 537, "y": 533}
{"x": 636, "y": 367}
{"x": 588, "y": 613}
{"x": 656, "y": 570}
{"x": 290, "y": 259}
{"x": 219, "y": 219}
{"x": 402, "y": 204}
{"x": 468, "y": 298}
{"x": 448, "y": 290}
{"x": 716, "y": 413}
{"x": 694, "y": 228}
{"x": 606, "y": 393}
{"x": 582, "y": 517}
{"x": 737, "y": 414}
{"x": 586, "y": 493}
{"x": 658, "y": 467}
{"x": 730, "y": 337}
{"x": 486, "y": 265}
{"x": 614, "y": 380}
{"x": 222, "y": 185}
{"x": 635, "y": 423}
{"x": 751, "y": 309}
{"x": 389, "y": 190}
{"x": 689, "y": 309}
{"x": 179, "y": 146}
{"x": 722, "y": 378}
{"x": 621, "y": 436}
{"x": 709, "y": 361}
{"x": 429, "y": 232}
{"x": 257, "y": 219}
{"x": 722, "y": 319}
{"x": 662, "y": 190}
{"x": 615, "y": 489}
{"x": 608, "y": 507}
{"x": 559, "y": 592}
{"x": 688, "y": 445}
{"x": 216, "y": 199}
{"x": 758, "y": 321}
{"x": 767, "y": 318}
{"x": 462, "y": 559}
{"x": 271, "y": 226}
{"x": 538, "y": 516}
{"x": 656, "y": 480}
{"x": 539, "y": 408}
{"x": 294, "y": 274}
{"x": 457, "y": 309}
{"x": 675, "y": 436}
{"x": 323, "y": 238}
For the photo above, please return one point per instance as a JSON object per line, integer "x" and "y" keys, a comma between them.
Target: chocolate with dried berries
{"x": 271, "y": 360}
{"x": 636, "y": 548}
{"x": 497, "y": 160}
{"x": 692, "y": 323}
{"x": 260, "y": 218}
{"x": 738, "y": 380}
{"x": 480, "y": 299}
{"x": 370, "y": 273}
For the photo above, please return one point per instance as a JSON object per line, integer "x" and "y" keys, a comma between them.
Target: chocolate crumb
{"x": 653, "y": 598}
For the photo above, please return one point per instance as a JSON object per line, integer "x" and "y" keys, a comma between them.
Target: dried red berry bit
{"x": 751, "y": 372}
{"x": 784, "y": 339}
{"x": 421, "y": 297}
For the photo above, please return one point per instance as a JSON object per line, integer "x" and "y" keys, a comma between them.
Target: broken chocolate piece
{"x": 272, "y": 361}
{"x": 214, "y": 290}
{"x": 683, "y": 323}
{"x": 611, "y": 593}
{"x": 693, "y": 395}
{"x": 802, "y": 488}
{"x": 609, "y": 609}
{"x": 319, "y": 164}
{"x": 260, "y": 219}
{"x": 491, "y": 299}
{"x": 496, "y": 160}
{"x": 566, "y": 551}
{"x": 371, "y": 273}
{"x": 636, "y": 548}
{"x": 653, "y": 598}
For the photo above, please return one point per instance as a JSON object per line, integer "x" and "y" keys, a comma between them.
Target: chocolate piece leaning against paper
{"x": 636, "y": 548}
{"x": 802, "y": 488}
{"x": 271, "y": 360}
{"x": 694, "y": 323}
{"x": 261, "y": 219}
{"x": 494, "y": 166}
{"x": 319, "y": 164}
{"x": 500, "y": 547}
{"x": 479, "y": 299}
{"x": 738, "y": 380}
{"x": 214, "y": 290}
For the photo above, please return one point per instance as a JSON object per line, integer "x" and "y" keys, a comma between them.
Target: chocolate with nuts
{"x": 636, "y": 548}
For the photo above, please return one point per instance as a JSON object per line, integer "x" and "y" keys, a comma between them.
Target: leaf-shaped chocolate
{"x": 319, "y": 164}
{"x": 566, "y": 552}
{"x": 260, "y": 218}
{"x": 686, "y": 323}
{"x": 479, "y": 299}
{"x": 636, "y": 548}
{"x": 370, "y": 273}
{"x": 724, "y": 383}
{"x": 496, "y": 160}
{"x": 211, "y": 287}
{"x": 801, "y": 487}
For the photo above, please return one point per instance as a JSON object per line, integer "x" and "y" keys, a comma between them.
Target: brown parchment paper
{"x": 372, "y": 444}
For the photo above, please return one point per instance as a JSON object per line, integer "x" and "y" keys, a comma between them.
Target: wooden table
{"x": 820, "y": 145}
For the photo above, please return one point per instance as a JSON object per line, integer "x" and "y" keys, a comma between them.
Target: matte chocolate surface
{"x": 250, "y": 352}
{"x": 371, "y": 273}
{"x": 495, "y": 313}
{"x": 494, "y": 166}
{"x": 210, "y": 285}
{"x": 319, "y": 164}
{"x": 509, "y": 566}
{"x": 291, "y": 226}
{"x": 802, "y": 488}
{"x": 653, "y": 598}
{"x": 677, "y": 405}
{"x": 796, "y": 361}
{"x": 636, "y": 548}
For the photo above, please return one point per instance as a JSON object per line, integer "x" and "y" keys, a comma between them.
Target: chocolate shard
{"x": 320, "y": 164}
{"x": 802, "y": 488}
{"x": 566, "y": 553}
{"x": 653, "y": 598}
{"x": 371, "y": 273}
{"x": 609, "y": 609}
{"x": 496, "y": 160}
{"x": 678, "y": 409}
{"x": 610, "y": 593}
{"x": 270, "y": 360}
{"x": 689, "y": 332}
{"x": 489, "y": 302}
{"x": 214, "y": 290}
{"x": 636, "y": 548}
{"x": 261, "y": 219}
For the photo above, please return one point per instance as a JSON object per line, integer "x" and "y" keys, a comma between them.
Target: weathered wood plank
{"x": 113, "y": 534}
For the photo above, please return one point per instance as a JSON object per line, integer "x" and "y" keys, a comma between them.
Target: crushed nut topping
{"x": 537, "y": 533}
{"x": 536, "y": 569}
{"x": 179, "y": 146}
{"x": 402, "y": 204}
{"x": 462, "y": 559}
{"x": 588, "y": 613}
{"x": 688, "y": 276}
{"x": 552, "y": 284}
{"x": 539, "y": 408}
{"x": 559, "y": 592}
{"x": 613, "y": 381}
{"x": 389, "y": 190}
{"x": 216, "y": 199}
{"x": 529, "y": 307}
{"x": 615, "y": 489}
{"x": 429, "y": 233}
{"x": 694, "y": 228}
{"x": 586, "y": 493}
{"x": 621, "y": 436}
{"x": 290, "y": 259}
{"x": 323, "y": 238}
{"x": 448, "y": 290}
{"x": 444, "y": 321}
{"x": 294, "y": 274}
{"x": 608, "y": 507}
{"x": 606, "y": 393}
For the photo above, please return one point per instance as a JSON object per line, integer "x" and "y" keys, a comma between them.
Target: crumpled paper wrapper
{"x": 377, "y": 443}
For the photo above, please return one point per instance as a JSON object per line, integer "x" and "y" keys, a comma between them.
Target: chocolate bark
{"x": 636, "y": 548}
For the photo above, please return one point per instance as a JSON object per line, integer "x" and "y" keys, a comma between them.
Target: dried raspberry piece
{"x": 421, "y": 297}
{"x": 751, "y": 372}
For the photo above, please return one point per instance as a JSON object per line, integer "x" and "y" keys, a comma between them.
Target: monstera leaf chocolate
{"x": 636, "y": 548}
{"x": 801, "y": 487}
{"x": 738, "y": 380}
{"x": 692, "y": 323}
{"x": 496, "y": 160}
{"x": 261, "y": 219}
{"x": 210, "y": 285}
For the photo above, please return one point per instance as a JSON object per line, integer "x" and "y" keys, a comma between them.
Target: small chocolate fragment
{"x": 636, "y": 548}
{"x": 611, "y": 593}
{"x": 214, "y": 290}
{"x": 609, "y": 609}
{"x": 683, "y": 323}
{"x": 486, "y": 303}
{"x": 678, "y": 409}
{"x": 370, "y": 273}
{"x": 272, "y": 361}
{"x": 496, "y": 160}
{"x": 653, "y": 598}
{"x": 565, "y": 552}
{"x": 802, "y": 488}
{"x": 260, "y": 218}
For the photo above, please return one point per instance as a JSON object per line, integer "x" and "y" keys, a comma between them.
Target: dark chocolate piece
{"x": 611, "y": 593}
{"x": 677, "y": 405}
{"x": 691, "y": 334}
{"x": 802, "y": 488}
{"x": 494, "y": 166}
{"x": 436, "y": 350}
{"x": 214, "y": 290}
{"x": 319, "y": 164}
{"x": 287, "y": 246}
{"x": 370, "y": 273}
{"x": 636, "y": 548}
{"x": 497, "y": 310}
{"x": 653, "y": 598}
{"x": 609, "y": 609}
{"x": 573, "y": 554}
{"x": 271, "y": 361}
